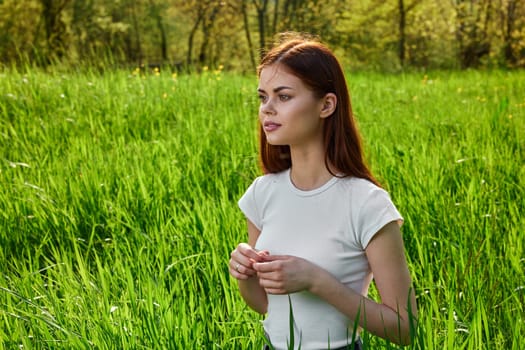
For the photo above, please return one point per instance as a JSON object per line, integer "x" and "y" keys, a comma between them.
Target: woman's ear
{"x": 329, "y": 105}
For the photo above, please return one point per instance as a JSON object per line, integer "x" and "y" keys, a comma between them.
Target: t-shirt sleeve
{"x": 248, "y": 205}
{"x": 376, "y": 211}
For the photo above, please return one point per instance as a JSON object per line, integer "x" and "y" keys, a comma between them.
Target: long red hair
{"x": 318, "y": 68}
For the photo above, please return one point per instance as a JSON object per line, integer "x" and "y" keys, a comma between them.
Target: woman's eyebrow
{"x": 277, "y": 89}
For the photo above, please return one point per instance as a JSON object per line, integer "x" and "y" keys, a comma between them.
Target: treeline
{"x": 382, "y": 34}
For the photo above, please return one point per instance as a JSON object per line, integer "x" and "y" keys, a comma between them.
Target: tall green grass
{"x": 118, "y": 205}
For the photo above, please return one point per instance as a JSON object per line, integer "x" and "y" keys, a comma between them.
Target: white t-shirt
{"x": 329, "y": 226}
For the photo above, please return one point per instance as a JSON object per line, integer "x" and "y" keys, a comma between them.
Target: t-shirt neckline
{"x": 313, "y": 192}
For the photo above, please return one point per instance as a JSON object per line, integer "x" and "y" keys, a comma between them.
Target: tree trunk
{"x": 402, "y": 34}
{"x": 54, "y": 27}
{"x": 261, "y": 19}
{"x": 163, "y": 40}
{"x": 137, "y": 53}
{"x": 473, "y": 43}
{"x": 248, "y": 34}
{"x": 275, "y": 16}
{"x": 191, "y": 36}
{"x": 510, "y": 57}
{"x": 162, "y": 31}
{"x": 207, "y": 25}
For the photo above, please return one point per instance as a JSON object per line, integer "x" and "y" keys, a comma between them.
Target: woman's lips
{"x": 271, "y": 126}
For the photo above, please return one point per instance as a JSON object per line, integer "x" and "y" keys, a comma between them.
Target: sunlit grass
{"x": 118, "y": 205}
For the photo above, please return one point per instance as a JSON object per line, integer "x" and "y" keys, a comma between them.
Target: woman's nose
{"x": 268, "y": 107}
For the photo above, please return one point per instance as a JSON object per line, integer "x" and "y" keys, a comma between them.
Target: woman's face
{"x": 289, "y": 112}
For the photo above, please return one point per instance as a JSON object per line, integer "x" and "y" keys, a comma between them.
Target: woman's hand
{"x": 283, "y": 274}
{"x": 242, "y": 259}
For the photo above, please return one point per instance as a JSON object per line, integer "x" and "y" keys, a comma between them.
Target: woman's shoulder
{"x": 359, "y": 184}
{"x": 265, "y": 183}
{"x": 271, "y": 178}
{"x": 361, "y": 190}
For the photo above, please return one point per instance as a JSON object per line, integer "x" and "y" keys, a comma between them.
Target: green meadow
{"x": 118, "y": 205}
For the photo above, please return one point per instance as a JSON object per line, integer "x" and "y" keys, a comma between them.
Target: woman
{"x": 319, "y": 225}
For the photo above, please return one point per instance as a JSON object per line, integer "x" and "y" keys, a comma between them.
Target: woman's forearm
{"x": 253, "y": 294}
{"x": 376, "y": 318}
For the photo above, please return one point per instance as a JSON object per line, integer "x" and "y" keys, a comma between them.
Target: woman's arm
{"x": 241, "y": 267}
{"x": 388, "y": 319}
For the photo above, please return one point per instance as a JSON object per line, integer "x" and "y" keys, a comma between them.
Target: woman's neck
{"x": 308, "y": 170}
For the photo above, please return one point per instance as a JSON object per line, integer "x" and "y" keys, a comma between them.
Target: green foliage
{"x": 387, "y": 35}
{"x": 118, "y": 205}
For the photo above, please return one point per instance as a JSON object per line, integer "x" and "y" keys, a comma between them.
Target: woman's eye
{"x": 284, "y": 97}
{"x": 262, "y": 98}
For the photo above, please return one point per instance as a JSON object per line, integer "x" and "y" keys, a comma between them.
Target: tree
{"x": 19, "y": 30}
{"x": 373, "y": 33}
{"x": 156, "y": 9}
{"x": 261, "y": 8}
{"x": 473, "y": 17}
{"x": 246, "y": 24}
{"x": 403, "y": 11}
{"x": 55, "y": 28}
{"x": 512, "y": 14}
{"x": 207, "y": 25}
